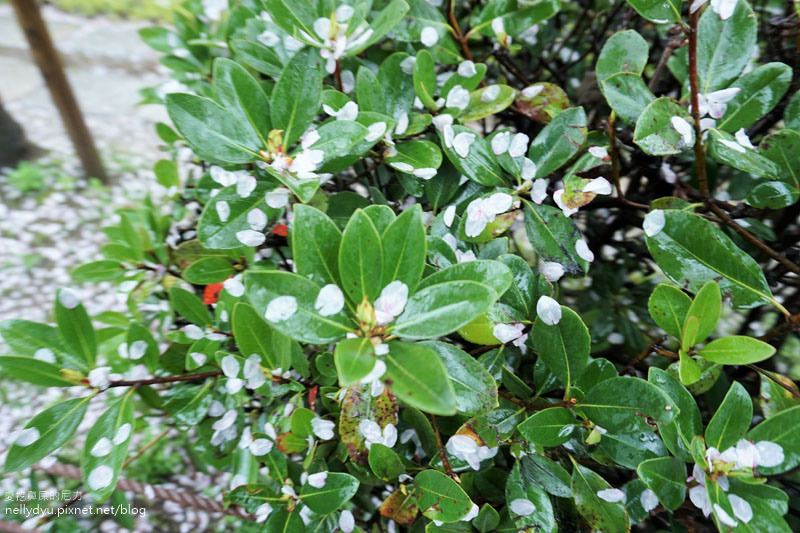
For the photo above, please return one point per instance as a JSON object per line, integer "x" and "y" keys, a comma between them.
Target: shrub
{"x": 517, "y": 265}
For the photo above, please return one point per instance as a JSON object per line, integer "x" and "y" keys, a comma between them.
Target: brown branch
{"x": 615, "y": 166}
{"x": 694, "y": 84}
{"x": 457, "y": 33}
{"x": 165, "y": 379}
{"x": 442, "y": 452}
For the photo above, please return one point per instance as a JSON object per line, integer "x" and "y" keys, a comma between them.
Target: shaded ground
{"x": 44, "y": 235}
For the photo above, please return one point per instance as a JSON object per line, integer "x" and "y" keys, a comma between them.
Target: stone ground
{"x": 44, "y": 235}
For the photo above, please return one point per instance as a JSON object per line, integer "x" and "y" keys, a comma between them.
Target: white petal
{"x": 391, "y": 302}
{"x": 349, "y": 111}
{"x": 769, "y": 454}
{"x": 27, "y": 437}
{"x": 583, "y": 250}
{"x": 741, "y": 509}
{"x": 743, "y": 139}
{"x": 501, "y": 142}
{"x": 281, "y": 308}
{"x": 498, "y": 202}
{"x": 519, "y": 145}
{"x": 122, "y": 434}
{"x": 68, "y": 299}
{"x": 375, "y": 131}
{"x": 424, "y": 173}
{"x": 548, "y": 310}
{"x": 245, "y": 185}
{"x": 506, "y": 333}
{"x": 598, "y": 186}
{"x": 654, "y": 222}
{"x": 347, "y": 522}
{"x": 440, "y": 121}
{"x": 223, "y": 210}
{"x": 551, "y": 270}
{"x": 699, "y": 497}
{"x": 102, "y": 447}
{"x": 539, "y": 191}
{"x": 250, "y": 237}
{"x": 137, "y": 349}
{"x": 234, "y": 287}
{"x": 318, "y": 480}
{"x": 472, "y": 513}
{"x": 457, "y": 98}
{"x": 611, "y": 495}
{"x": 402, "y": 167}
{"x": 723, "y": 516}
{"x": 648, "y": 499}
{"x": 522, "y": 507}
{"x": 402, "y": 124}
{"x": 490, "y": 94}
{"x": 330, "y": 300}
{"x": 683, "y": 127}
{"x": 532, "y": 91}
{"x": 429, "y": 36}
{"x": 599, "y": 152}
{"x": 230, "y": 366}
{"x": 256, "y": 219}
{"x": 558, "y": 199}
{"x": 449, "y": 215}
{"x": 322, "y": 428}
{"x": 466, "y": 69}
{"x": 277, "y": 198}
{"x": 462, "y": 143}
{"x": 100, "y": 477}
{"x": 736, "y": 147}
{"x": 529, "y": 170}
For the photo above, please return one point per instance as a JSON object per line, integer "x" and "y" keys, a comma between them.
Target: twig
{"x": 458, "y": 34}
{"x": 165, "y": 379}
{"x": 694, "y": 84}
{"x": 442, "y": 453}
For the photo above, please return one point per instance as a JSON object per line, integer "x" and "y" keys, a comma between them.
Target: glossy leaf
{"x": 419, "y": 378}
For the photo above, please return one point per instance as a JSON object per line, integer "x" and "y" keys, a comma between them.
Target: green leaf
{"x": 780, "y": 429}
{"x": 724, "y": 47}
{"x": 404, "y": 249}
{"x": 549, "y": 427}
{"x": 731, "y": 420}
{"x": 243, "y": 96}
{"x": 137, "y": 336}
{"x": 666, "y": 476}
{"x": 791, "y": 115}
{"x": 51, "y": 428}
{"x": 722, "y": 146}
{"x": 655, "y": 133}
{"x": 221, "y": 232}
{"x": 559, "y": 141}
{"x": 478, "y": 108}
{"x": 761, "y": 90}
{"x": 418, "y": 377}
{"x": 206, "y": 270}
{"x": 103, "y": 270}
{"x": 355, "y": 358}
{"x": 599, "y": 514}
{"x": 480, "y": 164}
{"x": 296, "y": 97}
{"x": 339, "y": 488}
{"x": 384, "y": 462}
{"x": 783, "y": 149}
{"x": 417, "y": 154}
{"x": 553, "y": 236}
{"x": 440, "y": 498}
{"x": 253, "y": 335}
{"x": 737, "y": 350}
{"x": 487, "y": 520}
{"x": 315, "y": 244}
{"x": 257, "y": 56}
{"x": 33, "y": 371}
{"x": 475, "y": 389}
{"x": 369, "y": 93}
{"x": 688, "y": 369}
{"x": 518, "y": 488}
{"x": 692, "y": 251}
{"x": 564, "y": 348}
{"x": 306, "y": 324}
{"x": 668, "y": 306}
{"x": 208, "y": 129}
{"x": 189, "y": 306}
{"x": 75, "y": 326}
{"x": 282, "y": 521}
{"x": 773, "y": 195}
{"x": 705, "y": 309}
{"x": 425, "y": 79}
{"x": 443, "y": 308}
{"x": 619, "y": 74}
{"x": 621, "y": 404}
{"x": 658, "y": 11}
{"x": 361, "y": 258}
{"x": 492, "y": 274}
{"x": 106, "y": 448}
